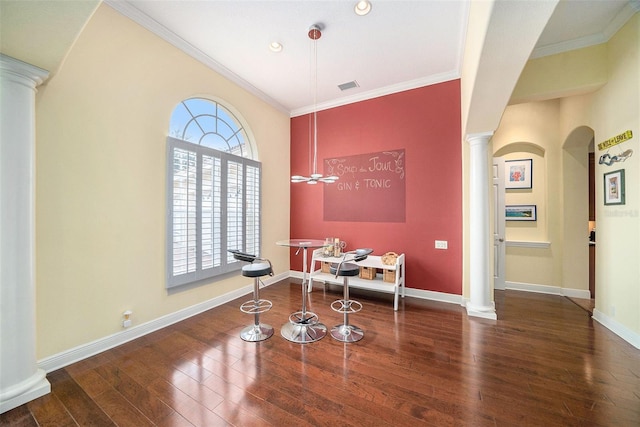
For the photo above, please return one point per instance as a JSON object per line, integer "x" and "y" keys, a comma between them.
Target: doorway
{"x": 579, "y": 214}
{"x": 592, "y": 224}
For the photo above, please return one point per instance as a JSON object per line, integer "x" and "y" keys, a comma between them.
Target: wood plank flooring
{"x": 544, "y": 363}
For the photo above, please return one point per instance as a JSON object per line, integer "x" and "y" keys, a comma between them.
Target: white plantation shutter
{"x": 184, "y": 211}
{"x": 252, "y": 209}
{"x": 213, "y": 200}
{"x": 235, "y": 206}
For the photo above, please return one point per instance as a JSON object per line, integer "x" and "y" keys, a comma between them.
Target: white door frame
{"x": 498, "y": 224}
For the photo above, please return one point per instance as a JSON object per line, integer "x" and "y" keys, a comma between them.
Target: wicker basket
{"x": 389, "y": 276}
{"x": 326, "y": 267}
{"x": 368, "y": 273}
{"x": 389, "y": 258}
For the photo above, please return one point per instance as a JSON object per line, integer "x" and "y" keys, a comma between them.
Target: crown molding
{"x": 388, "y": 90}
{"x": 136, "y": 15}
{"x": 614, "y": 26}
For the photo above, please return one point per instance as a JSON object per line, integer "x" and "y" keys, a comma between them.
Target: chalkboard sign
{"x": 370, "y": 188}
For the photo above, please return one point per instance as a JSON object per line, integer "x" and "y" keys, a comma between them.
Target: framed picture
{"x": 518, "y": 173}
{"x": 614, "y": 187}
{"x": 521, "y": 213}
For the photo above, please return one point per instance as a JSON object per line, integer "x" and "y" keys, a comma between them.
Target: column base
{"x": 32, "y": 388}
{"x": 486, "y": 312}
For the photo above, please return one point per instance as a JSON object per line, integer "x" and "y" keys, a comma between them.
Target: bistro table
{"x": 303, "y": 326}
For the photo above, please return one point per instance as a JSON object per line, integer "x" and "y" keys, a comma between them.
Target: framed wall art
{"x": 518, "y": 173}
{"x": 520, "y": 213}
{"x": 614, "y": 187}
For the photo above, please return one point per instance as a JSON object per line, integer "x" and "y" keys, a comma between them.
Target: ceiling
{"x": 400, "y": 45}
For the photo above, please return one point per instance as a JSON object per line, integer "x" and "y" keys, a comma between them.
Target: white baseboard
{"x": 84, "y": 351}
{"x": 617, "y": 328}
{"x": 434, "y": 296}
{"x": 546, "y": 289}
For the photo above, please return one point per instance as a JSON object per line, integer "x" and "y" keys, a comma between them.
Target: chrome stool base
{"x": 255, "y": 333}
{"x": 302, "y": 333}
{"x": 347, "y": 333}
{"x": 258, "y": 331}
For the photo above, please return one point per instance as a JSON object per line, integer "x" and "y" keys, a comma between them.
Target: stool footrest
{"x": 306, "y": 318}
{"x": 346, "y": 306}
{"x": 256, "y": 306}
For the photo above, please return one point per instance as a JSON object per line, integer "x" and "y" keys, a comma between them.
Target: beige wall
{"x": 531, "y": 131}
{"x": 101, "y": 203}
{"x": 551, "y": 77}
{"x": 563, "y": 129}
{"x": 616, "y": 109}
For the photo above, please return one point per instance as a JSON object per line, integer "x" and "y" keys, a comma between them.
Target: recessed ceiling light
{"x": 275, "y": 47}
{"x": 362, "y": 7}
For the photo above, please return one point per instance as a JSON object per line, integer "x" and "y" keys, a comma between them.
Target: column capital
{"x": 13, "y": 67}
{"x": 478, "y": 138}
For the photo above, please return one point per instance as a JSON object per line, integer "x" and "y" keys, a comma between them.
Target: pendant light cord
{"x": 315, "y": 106}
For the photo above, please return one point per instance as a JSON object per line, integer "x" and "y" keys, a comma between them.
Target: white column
{"x": 20, "y": 379}
{"x": 480, "y": 304}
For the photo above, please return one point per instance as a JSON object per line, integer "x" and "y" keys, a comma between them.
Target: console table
{"x": 373, "y": 261}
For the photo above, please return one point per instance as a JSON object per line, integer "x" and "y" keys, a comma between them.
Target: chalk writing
{"x": 371, "y": 187}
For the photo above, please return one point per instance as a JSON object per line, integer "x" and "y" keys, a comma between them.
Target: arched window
{"x": 213, "y": 192}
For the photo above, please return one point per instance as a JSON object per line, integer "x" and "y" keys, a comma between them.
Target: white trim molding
{"x": 617, "y": 328}
{"x": 434, "y": 296}
{"x": 546, "y": 289}
{"x": 527, "y": 244}
{"x": 84, "y": 351}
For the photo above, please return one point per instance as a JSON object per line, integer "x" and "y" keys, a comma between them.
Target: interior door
{"x": 499, "y": 224}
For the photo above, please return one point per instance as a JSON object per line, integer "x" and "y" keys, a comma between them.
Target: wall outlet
{"x": 441, "y": 244}
{"x": 126, "y": 318}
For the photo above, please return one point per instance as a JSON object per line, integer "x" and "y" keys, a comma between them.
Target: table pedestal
{"x": 303, "y": 326}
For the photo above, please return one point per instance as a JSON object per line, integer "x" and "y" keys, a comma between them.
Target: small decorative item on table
{"x": 328, "y": 247}
{"x": 326, "y": 267}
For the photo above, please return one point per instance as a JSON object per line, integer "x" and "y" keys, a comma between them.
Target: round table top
{"x": 303, "y": 243}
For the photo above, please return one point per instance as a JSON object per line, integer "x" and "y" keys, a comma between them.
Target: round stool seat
{"x": 346, "y": 270}
{"x": 256, "y": 270}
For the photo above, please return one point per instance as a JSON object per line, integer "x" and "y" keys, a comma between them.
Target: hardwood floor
{"x": 544, "y": 363}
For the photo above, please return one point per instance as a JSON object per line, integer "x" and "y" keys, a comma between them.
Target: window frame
{"x": 251, "y": 212}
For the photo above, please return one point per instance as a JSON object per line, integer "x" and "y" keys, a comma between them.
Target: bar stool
{"x": 345, "y": 269}
{"x": 258, "y": 331}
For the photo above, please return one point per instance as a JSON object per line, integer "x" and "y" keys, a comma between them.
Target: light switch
{"x": 441, "y": 244}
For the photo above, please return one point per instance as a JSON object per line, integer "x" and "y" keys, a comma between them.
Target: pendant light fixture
{"x": 314, "y": 34}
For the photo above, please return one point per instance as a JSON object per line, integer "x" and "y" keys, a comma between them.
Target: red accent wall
{"x": 426, "y": 123}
